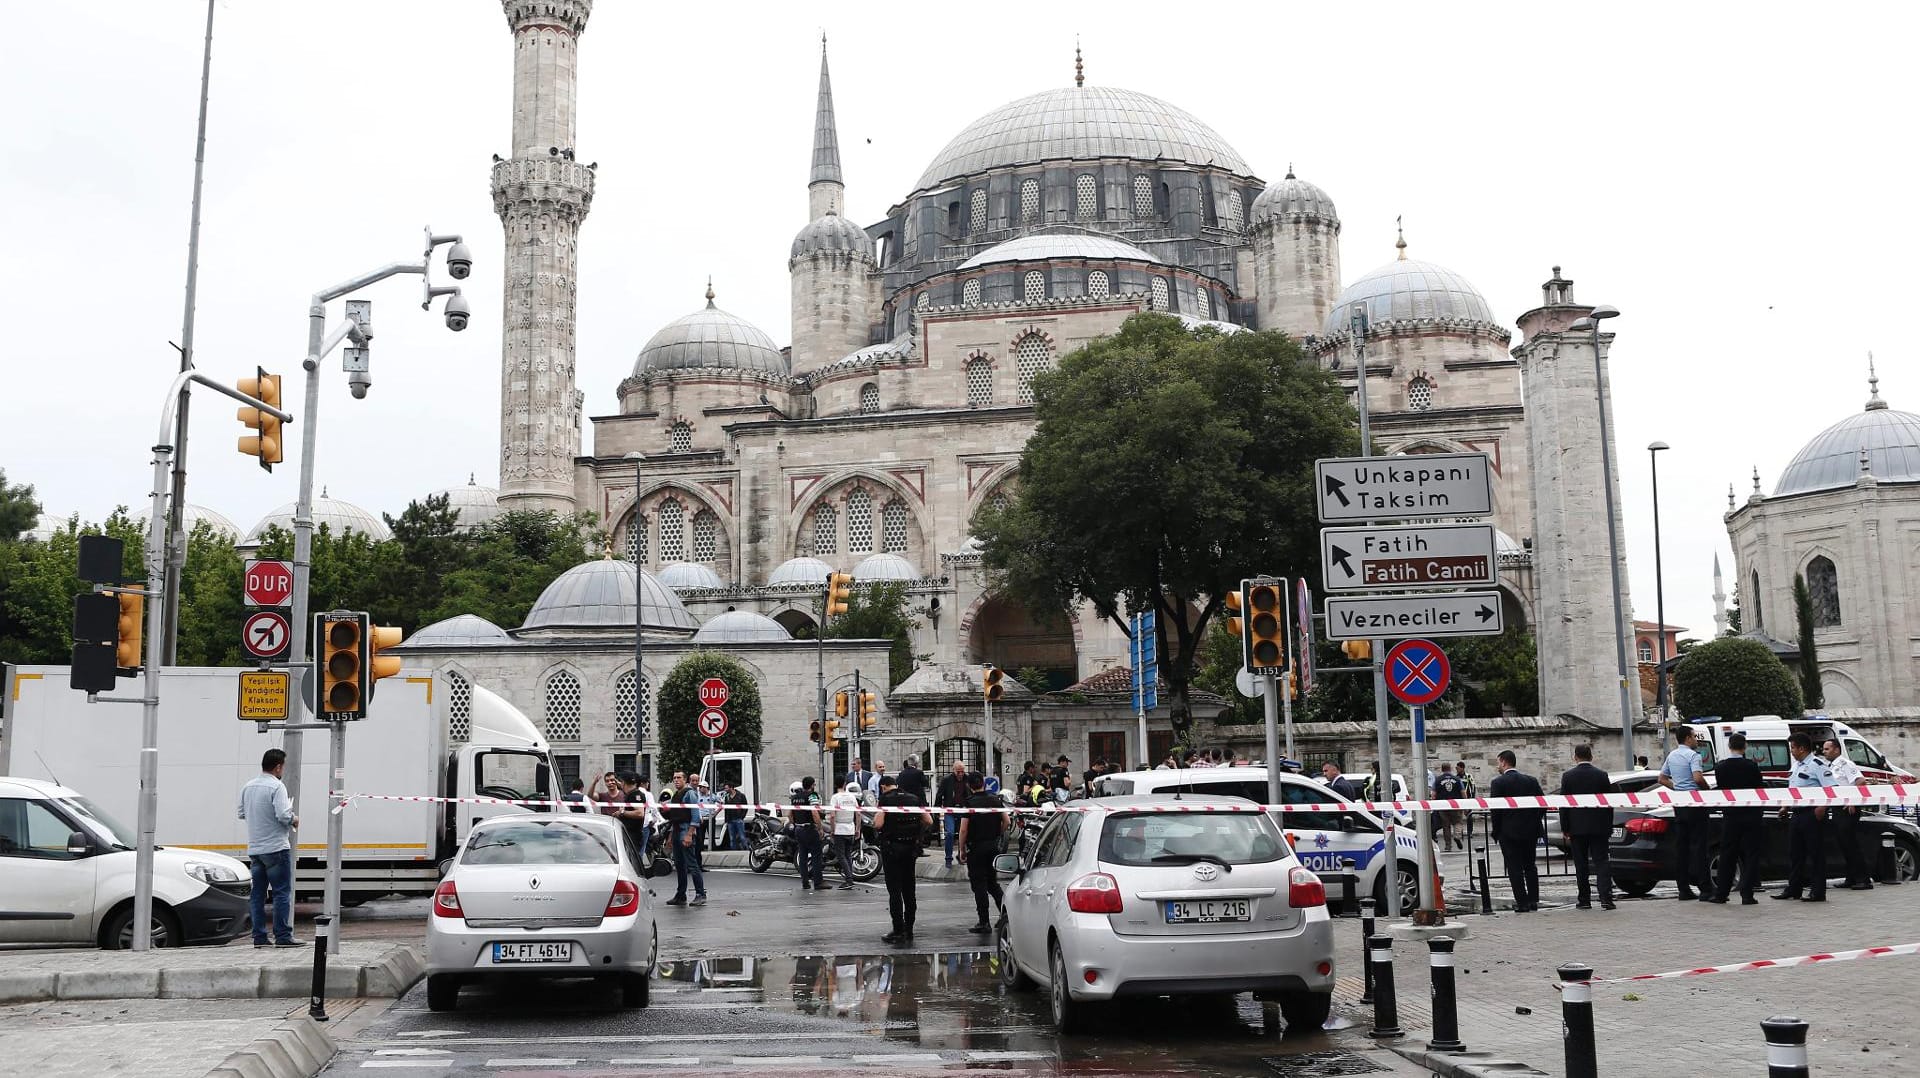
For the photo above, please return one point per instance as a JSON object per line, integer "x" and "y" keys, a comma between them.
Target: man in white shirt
{"x": 270, "y": 825}
{"x": 845, "y": 809}
{"x": 1843, "y": 821}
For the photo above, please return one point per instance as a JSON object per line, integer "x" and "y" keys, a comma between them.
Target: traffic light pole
{"x": 336, "y": 824}
{"x": 1270, "y": 703}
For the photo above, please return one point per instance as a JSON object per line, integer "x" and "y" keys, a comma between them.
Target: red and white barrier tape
{"x": 1768, "y": 963}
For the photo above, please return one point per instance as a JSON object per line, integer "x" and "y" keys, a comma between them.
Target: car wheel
{"x": 760, "y": 858}
{"x": 1906, "y": 862}
{"x": 443, "y": 992}
{"x": 118, "y": 933}
{"x": 1069, "y": 1015}
{"x": 1305, "y": 1012}
{"x": 1409, "y": 889}
{"x": 866, "y": 863}
{"x": 1634, "y": 888}
{"x": 1011, "y": 976}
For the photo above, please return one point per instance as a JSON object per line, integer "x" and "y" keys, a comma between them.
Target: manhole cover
{"x": 1323, "y": 1065}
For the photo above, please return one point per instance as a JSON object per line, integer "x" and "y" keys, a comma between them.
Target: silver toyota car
{"x": 561, "y": 895}
{"x": 1146, "y": 896}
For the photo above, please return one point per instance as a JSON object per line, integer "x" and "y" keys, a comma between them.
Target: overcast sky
{"x": 1735, "y": 178}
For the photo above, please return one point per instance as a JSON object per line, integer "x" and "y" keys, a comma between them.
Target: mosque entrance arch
{"x": 1008, "y": 635}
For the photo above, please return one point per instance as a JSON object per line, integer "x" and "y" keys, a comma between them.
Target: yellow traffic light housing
{"x": 991, "y": 677}
{"x": 1235, "y": 609}
{"x": 1266, "y": 620}
{"x": 813, "y": 731}
{"x": 265, "y": 443}
{"x": 832, "y": 732}
{"x": 126, "y": 646}
{"x": 341, "y": 643}
{"x": 1357, "y": 649}
{"x": 840, "y": 703}
{"x": 839, "y": 593}
{"x": 869, "y": 703}
{"x": 379, "y": 665}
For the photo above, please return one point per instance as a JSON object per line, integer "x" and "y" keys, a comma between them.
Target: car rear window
{"x": 1112, "y": 787}
{"x": 1144, "y": 839}
{"x": 540, "y": 842}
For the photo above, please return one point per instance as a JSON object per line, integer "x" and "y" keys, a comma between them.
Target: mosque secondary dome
{"x": 832, "y": 232}
{"x": 1044, "y": 246}
{"x": 795, "y": 572}
{"x": 1292, "y": 197}
{"x": 476, "y": 504}
{"x": 200, "y": 514}
{"x": 741, "y": 627}
{"x": 884, "y": 567}
{"x": 710, "y": 339}
{"x": 460, "y": 631}
{"x": 1081, "y": 123}
{"x": 333, "y": 514}
{"x": 689, "y": 576}
{"x": 599, "y": 595}
{"x": 1890, "y": 439}
{"x": 1409, "y": 290}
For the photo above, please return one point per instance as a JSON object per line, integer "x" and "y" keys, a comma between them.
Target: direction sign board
{"x": 714, "y": 693}
{"x": 1143, "y": 654}
{"x": 265, "y": 695}
{"x": 1409, "y": 487}
{"x": 266, "y": 634}
{"x": 1439, "y": 613}
{"x": 712, "y": 723}
{"x": 1417, "y": 672}
{"x": 267, "y": 583}
{"x": 1390, "y": 557}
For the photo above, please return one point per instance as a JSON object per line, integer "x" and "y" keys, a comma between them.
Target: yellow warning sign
{"x": 265, "y": 695}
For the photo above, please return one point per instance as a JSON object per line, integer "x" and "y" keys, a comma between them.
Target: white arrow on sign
{"x": 265, "y": 634}
{"x": 1392, "y": 617}
{"x": 1395, "y": 557}
{"x": 1407, "y": 487}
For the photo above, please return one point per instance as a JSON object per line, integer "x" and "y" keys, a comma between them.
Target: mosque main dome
{"x": 1409, "y": 290}
{"x": 710, "y": 339}
{"x": 1890, "y": 439}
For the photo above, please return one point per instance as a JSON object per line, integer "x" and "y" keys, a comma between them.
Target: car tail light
{"x": 625, "y": 900}
{"x": 446, "y": 900}
{"x": 1304, "y": 889}
{"x": 1646, "y": 825}
{"x": 1095, "y": 892}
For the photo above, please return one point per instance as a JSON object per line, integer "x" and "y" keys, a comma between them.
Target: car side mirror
{"x": 1007, "y": 864}
{"x": 1346, "y": 821}
{"x": 78, "y": 844}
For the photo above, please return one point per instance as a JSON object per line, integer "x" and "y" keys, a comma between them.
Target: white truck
{"x": 49, "y": 731}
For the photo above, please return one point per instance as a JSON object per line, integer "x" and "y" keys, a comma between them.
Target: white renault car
{"x": 546, "y": 895}
{"x": 1121, "y": 897}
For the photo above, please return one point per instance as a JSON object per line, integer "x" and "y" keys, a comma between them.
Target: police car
{"x": 1323, "y": 841}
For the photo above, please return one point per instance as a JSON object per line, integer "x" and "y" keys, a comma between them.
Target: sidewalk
{"x": 166, "y": 1039}
{"x": 236, "y": 971}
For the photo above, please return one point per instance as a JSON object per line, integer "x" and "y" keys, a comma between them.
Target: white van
{"x": 1767, "y": 744}
{"x": 69, "y": 877}
{"x": 1323, "y": 841}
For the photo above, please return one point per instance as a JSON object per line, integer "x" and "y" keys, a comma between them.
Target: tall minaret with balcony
{"x": 836, "y": 291}
{"x": 541, "y": 194}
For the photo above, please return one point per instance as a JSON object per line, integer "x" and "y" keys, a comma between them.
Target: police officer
{"x": 1845, "y": 819}
{"x": 1806, "y": 848}
{"x": 806, "y": 836}
{"x": 1683, "y": 771}
{"x": 900, "y": 822}
{"x": 1741, "y": 829}
{"x": 979, "y": 842}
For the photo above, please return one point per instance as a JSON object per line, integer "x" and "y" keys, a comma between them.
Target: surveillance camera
{"x": 459, "y": 261}
{"x": 358, "y": 384}
{"x": 457, "y": 312}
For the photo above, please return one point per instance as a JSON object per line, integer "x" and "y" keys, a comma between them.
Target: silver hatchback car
{"x": 552, "y": 895}
{"x": 1144, "y": 896}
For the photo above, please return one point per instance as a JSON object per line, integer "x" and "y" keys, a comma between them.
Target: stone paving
{"x": 238, "y": 970}
{"x": 150, "y": 1038}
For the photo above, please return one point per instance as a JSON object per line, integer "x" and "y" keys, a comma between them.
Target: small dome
{"x": 50, "y": 524}
{"x": 876, "y": 568}
{"x": 711, "y": 339}
{"x": 1046, "y": 246}
{"x": 599, "y": 595}
{"x": 686, "y": 576}
{"x": 198, "y": 514}
{"x": 740, "y": 627}
{"x": 832, "y": 233}
{"x": 1831, "y": 460}
{"x": 477, "y": 505}
{"x": 1410, "y": 290}
{"x": 797, "y": 572}
{"x": 336, "y": 516}
{"x": 463, "y": 631}
{"x": 1292, "y": 197}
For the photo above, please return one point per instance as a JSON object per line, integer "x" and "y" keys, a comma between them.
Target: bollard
{"x": 1889, "y": 862}
{"x": 317, "y": 1002}
{"x": 1486, "y": 888}
{"x": 1786, "y": 1046}
{"x": 1446, "y": 1014}
{"x": 1386, "y": 1009}
{"x": 1576, "y": 1020}
{"x": 1366, "y": 962}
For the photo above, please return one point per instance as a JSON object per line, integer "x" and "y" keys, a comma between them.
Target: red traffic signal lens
{"x": 1264, "y": 598}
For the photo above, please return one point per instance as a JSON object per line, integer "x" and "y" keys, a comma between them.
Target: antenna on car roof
{"x": 50, "y": 774}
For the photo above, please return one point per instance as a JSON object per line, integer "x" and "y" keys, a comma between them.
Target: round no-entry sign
{"x": 712, "y": 723}
{"x": 1417, "y": 672}
{"x": 714, "y": 693}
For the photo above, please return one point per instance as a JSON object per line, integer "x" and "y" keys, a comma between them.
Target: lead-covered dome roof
{"x": 460, "y": 631}
{"x": 741, "y": 627}
{"x": 1890, "y": 439}
{"x": 796, "y": 572}
{"x": 1081, "y": 123}
{"x": 689, "y": 576}
{"x": 477, "y": 505}
{"x": 876, "y": 568}
{"x": 832, "y": 232}
{"x": 1409, "y": 290}
{"x": 599, "y": 595}
{"x": 333, "y": 514}
{"x": 1043, "y": 246}
{"x": 1292, "y": 197}
{"x": 711, "y": 339}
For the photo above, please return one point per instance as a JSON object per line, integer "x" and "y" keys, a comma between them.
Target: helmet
{"x": 793, "y": 787}
{"x": 853, "y": 787}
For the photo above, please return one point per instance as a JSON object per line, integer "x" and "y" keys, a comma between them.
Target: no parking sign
{"x": 1417, "y": 672}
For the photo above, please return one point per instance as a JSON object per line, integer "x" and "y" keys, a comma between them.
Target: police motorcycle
{"x": 770, "y": 839}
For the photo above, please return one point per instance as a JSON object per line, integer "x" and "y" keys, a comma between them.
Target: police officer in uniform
{"x": 900, "y": 822}
{"x": 1844, "y": 820}
{"x": 979, "y": 842}
{"x": 1806, "y": 846}
{"x": 806, "y": 836}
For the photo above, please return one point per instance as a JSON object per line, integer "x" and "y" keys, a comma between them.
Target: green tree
{"x": 879, "y": 612}
{"x": 210, "y": 606}
{"x": 1733, "y": 614}
{"x": 1732, "y": 678}
{"x": 1810, "y": 690}
{"x": 19, "y": 509}
{"x": 1497, "y": 673}
{"x": 1166, "y": 464}
{"x": 1216, "y": 669}
{"x": 38, "y": 581}
{"x": 681, "y": 746}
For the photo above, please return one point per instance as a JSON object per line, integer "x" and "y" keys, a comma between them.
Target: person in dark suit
{"x": 1588, "y": 829}
{"x": 1518, "y": 831}
{"x": 1741, "y": 829}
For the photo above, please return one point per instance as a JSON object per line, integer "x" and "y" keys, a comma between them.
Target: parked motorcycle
{"x": 773, "y": 841}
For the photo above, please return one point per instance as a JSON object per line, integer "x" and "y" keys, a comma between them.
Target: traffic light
{"x": 1357, "y": 649}
{"x": 126, "y": 648}
{"x": 840, "y": 703}
{"x": 990, "y": 681}
{"x": 264, "y": 444}
{"x": 1236, "y": 604}
{"x": 832, "y": 732}
{"x": 813, "y": 731}
{"x": 379, "y": 639}
{"x": 839, "y": 591}
{"x": 95, "y": 623}
{"x": 868, "y": 704}
{"x": 1266, "y": 618}
{"x": 342, "y": 656}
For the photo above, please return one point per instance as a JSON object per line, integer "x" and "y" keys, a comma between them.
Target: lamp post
{"x": 639, "y": 620}
{"x": 1659, "y": 597}
{"x": 1592, "y": 323}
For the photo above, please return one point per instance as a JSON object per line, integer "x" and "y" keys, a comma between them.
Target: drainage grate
{"x": 1323, "y": 1065}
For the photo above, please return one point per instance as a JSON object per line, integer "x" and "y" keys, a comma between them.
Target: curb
{"x": 1467, "y": 1064}
{"x": 297, "y": 1048}
{"x": 385, "y": 977}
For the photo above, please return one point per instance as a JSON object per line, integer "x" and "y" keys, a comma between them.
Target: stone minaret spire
{"x": 541, "y": 194}
{"x": 1719, "y": 600}
{"x": 832, "y": 271}
{"x": 826, "y": 190}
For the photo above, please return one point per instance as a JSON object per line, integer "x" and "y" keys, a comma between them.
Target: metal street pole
{"x": 1613, "y": 530}
{"x": 1423, "y": 821}
{"x": 1383, "y": 779}
{"x": 988, "y": 704}
{"x": 1659, "y": 597}
{"x": 1270, "y": 706}
{"x": 820, "y": 681}
{"x": 639, "y": 631}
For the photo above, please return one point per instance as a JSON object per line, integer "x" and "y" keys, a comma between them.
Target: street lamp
{"x": 1591, "y": 323}
{"x": 1659, "y": 596}
{"x": 639, "y": 632}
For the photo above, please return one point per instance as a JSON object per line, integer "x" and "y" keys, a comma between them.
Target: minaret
{"x": 1719, "y": 600}
{"x": 1296, "y": 257}
{"x": 541, "y": 194}
{"x": 826, "y": 189}
{"x": 836, "y": 289}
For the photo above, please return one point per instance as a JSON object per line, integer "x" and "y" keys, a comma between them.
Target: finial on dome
{"x": 1729, "y": 501}
{"x": 1401, "y": 243}
{"x": 709, "y": 292}
{"x": 470, "y": 481}
{"x": 1079, "y": 69}
{"x": 1756, "y": 479}
{"x": 1874, "y": 403}
{"x": 1290, "y": 170}
{"x": 323, "y": 490}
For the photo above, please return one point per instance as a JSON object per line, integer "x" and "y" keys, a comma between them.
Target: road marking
{"x": 1002, "y": 1057}
{"x": 903, "y": 1057}
{"x": 755, "y": 991}
{"x": 411, "y": 1052}
{"x": 406, "y": 1063}
{"x": 654, "y": 1061}
{"x": 775, "y": 1061}
{"x": 856, "y": 1033}
{"x": 531, "y": 1062}
{"x": 431, "y": 1033}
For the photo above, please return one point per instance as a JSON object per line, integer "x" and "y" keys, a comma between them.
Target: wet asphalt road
{"x": 769, "y": 979}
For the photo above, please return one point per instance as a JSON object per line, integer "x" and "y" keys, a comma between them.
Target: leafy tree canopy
{"x": 1732, "y": 678}
{"x": 19, "y": 509}
{"x": 681, "y": 746}
{"x": 880, "y": 612}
